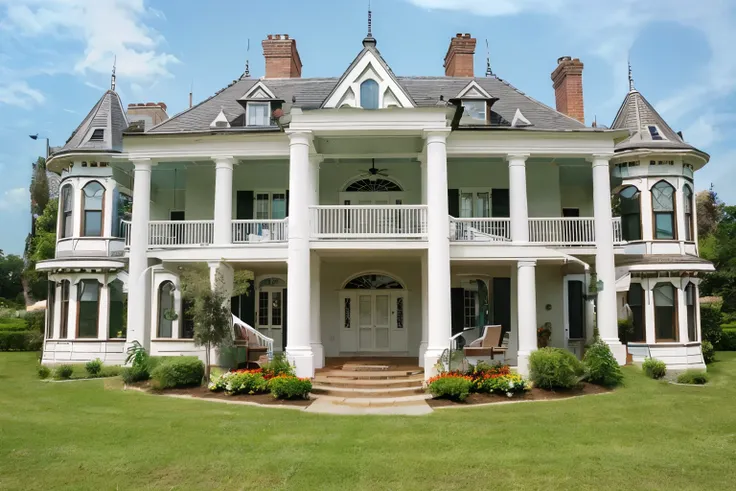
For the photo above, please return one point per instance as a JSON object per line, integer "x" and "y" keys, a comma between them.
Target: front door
{"x": 270, "y": 315}
{"x": 375, "y": 321}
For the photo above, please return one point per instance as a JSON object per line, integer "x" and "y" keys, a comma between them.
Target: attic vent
{"x": 655, "y": 133}
{"x": 98, "y": 135}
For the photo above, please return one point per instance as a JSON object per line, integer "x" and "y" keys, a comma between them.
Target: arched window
{"x": 369, "y": 94}
{"x": 65, "y": 215}
{"x": 166, "y": 311}
{"x": 371, "y": 185}
{"x": 64, "y": 328}
{"x": 276, "y": 282}
{"x": 663, "y": 210}
{"x": 635, "y": 299}
{"x": 93, "y": 195}
{"x": 665, "y": 312}
{"x": 690, "y": 301}
{"x": 88, "y": 308}
{"x": 118, "y": 314}
{"x": 373, "y": 282}
{"x": 687, "y": 195}
{"x": 630, "y": 213}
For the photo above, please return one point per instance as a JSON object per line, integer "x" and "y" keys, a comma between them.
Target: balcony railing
{"x": 252, "y": 231}
{"x": 125, "y": 231}
{"x": 173, "y": 233}
{"x": 369, "y": 222}
{"x": 480, "y": 229}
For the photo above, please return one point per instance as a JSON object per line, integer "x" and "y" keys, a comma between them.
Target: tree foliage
{"x": 39, "y": 187}
{"x": 717, "y": 243}
{"x": 11, "y": 270}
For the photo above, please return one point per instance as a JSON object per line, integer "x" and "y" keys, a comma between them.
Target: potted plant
{"x": 543, "y": 334}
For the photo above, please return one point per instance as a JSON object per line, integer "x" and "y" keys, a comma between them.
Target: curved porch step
{"x": 376, "y": 401}
{"x": 412, "y": 381}
{"x": 359, "y": 375}
{"x": 369, "y": 392}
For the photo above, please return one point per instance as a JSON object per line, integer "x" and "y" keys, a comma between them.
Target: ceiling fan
{"x": 373, "y": 172}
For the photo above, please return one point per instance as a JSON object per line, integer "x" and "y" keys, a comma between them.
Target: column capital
{"x": 436, "y": 136}
{"x": 142, "y": 163}
{"x": 517, "y": 158}
{"x": 526, "y": 263}
{"x": 223, "y": 161}
{"x": 600, "y": 159}
{"x": 316, "y": 158}
{"x": 300, "y": 137}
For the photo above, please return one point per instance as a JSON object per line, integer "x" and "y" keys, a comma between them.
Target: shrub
{"x": 698, "y": 377}
{"x": 655, "y": 369}
{"x": 184, "y": 371}
{"x": 13, "y": 324}
{"x": 44, "y": 372}
{"x": 110, "y": 371}
{"x": 625, "y": 329}
{"x": 279, "y": 365}
{"x": 240, "y": 382}
{"x": 555, "y": 368}
{"x": 93, "y": 367}
{"x": 290, "y": 387}
{"x": 709, "y": 353}
{"x": 63, "y": 372}
{"x": 453, "y": 386}
{"x": 135, "y": 374}
{"x": 35, "y": 321}
{"x": 728, "y": 339}
{"x": 20, "y": 341}
{"x": 601, "y": 367}
{"x": 710, "y": 323}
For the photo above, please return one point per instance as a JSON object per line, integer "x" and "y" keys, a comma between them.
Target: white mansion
{"x": 395, "y": 211}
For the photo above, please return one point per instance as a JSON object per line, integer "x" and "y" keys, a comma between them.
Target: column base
{"x": 318, "y": 352}
{"x": 522, "y": 363}
{"x": 303, "y": 361}
{"x": 422, "y": 349}
{"x": 618, "y": 350}
{"x": 431, "y": 357}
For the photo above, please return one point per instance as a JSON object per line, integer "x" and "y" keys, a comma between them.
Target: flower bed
{"x": 282, "y": 384}
{"x": 479, "y": 379}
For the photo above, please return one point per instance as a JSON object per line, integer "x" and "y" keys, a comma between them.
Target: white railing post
{"x": 369, "y": 222}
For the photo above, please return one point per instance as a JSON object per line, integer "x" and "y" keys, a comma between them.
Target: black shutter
{"x": 453, "y": 202}
{"x": 235, "y": 306}
{"x": 500, "y": 203}
{"x": 248, "y": 305}
{"x": 575, "y": 309}
{"x": 283, "y": 319}
{"x": 502, "y": 303}
{"x": 457, "y": 306}
{"x": 244, "y": 206}
{"x": 287, "y": 202}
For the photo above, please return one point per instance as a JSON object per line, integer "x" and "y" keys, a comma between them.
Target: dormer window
{"x": 654, "y": 132}
{"x": 369, "y": 94}
{"x": 259, "y": 114}
{"x": 475, "y": 109}
{"x": 98, "y": 135}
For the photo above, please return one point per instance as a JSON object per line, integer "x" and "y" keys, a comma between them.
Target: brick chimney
{"x": 151, "y": 113}
{"x": 282, "y": 57}
{"x": 567, "y": 80}
{"x": 459, "y": 57}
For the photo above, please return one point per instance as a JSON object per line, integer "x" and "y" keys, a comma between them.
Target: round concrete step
{"x": 375, "y": 401}
{"x": 413, "y": 381}
{"x": 384, "y": 392}
{"x": 360, "y": 375}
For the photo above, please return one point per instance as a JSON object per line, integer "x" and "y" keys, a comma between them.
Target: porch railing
{"x": 252, "y": 231}
{"x": 125, "y": 231}
{"x": 251, "y": 333}
{"x": 171, "y": 233}
{"x": 480, "y": 229}
{"x": 568, "y": 231}
{"x": 369, "y": 222}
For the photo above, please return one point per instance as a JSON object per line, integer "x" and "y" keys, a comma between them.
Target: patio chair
{"x": 487, "y": 345}
{"x": 248, "y": 341}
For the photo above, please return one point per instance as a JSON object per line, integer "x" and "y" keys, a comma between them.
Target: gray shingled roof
{"x": 310, "y": 93}
{"x": 108, "y": 114}
{"x": 636, "y": 114}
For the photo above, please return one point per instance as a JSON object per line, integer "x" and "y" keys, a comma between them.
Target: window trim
{"x": 83, "y": 221}
{"x": 252, "y": 105}
{"x": 689, "y": 231}
{"x": 66, "y": 286}
{"x": 643, "y": 307}
{"x": 79, "y": 301}
{"x": 50, "y": 310}
{"x": 485, "y": 108}
{"x": 270, "y": 193}
{"x": 673, "y": 213}
{"x": 159, "y": 317}
{"x": 691, "y": 316}
{"x": 675, "y": 313}
{"x": 378, "y": 94}
{"x": 639, "y": 214}
{"x": 63, "y": 232}
{"x": 475, "y": 191}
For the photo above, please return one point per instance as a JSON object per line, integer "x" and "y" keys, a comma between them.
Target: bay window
{"x": 630, "y": 213}
{"x": 65, "y": 215}
{"x": 93, "y": 196}
{"x": 88, "y": 308}
{"x": 665, "y": 312}
{"x": 691, "y": 305}
{"x": 663, "y": 210}
{"x": 635, "y": 299}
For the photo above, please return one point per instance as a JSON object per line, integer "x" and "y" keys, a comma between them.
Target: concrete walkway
{"x": 332, "y": 405}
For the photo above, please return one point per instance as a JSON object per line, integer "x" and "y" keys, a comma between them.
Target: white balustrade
{"x": 125, "y": 231}
{"x": 480, "y": 229}
{"x": 250, "y": 231}
{"x": 172, "y": 233}
{"x": 618, "y": 235}
{"x": 369, "y": 222}
{"x": 562, "y": 231}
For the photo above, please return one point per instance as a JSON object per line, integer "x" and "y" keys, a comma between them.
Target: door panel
{"x": 382, "y": 321}
{"x": 365, "y": 319}
{"x": 271, "y": 316}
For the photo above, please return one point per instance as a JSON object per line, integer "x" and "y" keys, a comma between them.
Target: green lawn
{"x": 88, "y": 435}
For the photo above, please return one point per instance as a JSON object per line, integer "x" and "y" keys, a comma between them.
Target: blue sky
{"x": 56, "y": 56}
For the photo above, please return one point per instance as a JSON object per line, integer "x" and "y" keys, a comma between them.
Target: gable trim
{"x": 473, "y": 86}
{"x": 258, "y": 87}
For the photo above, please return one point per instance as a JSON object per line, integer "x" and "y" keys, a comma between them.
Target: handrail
{"x": 368, "y": 222}
{"x": 263, "y": 341}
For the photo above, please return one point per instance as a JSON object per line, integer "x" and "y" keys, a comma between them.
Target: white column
{"x": 651, "y": 334}
{"x": 645, "y": 200}
{"x": 298, "y": 345}
{"x": 681, "y": 310}
{"x": 589, "y": 319}
{"x": 138, "y": 263}
{"x": 519, "y": 210}
{"x": 513, "y": 350}
{"x": 71, "y": 327}
{"x": 223, "y": 200}
{"x": 314, "y": 164}
{"x": 439, "y": 327}
{"x": 526, "y": 292}
{"x": 607, "y": 317}
{"x": 423, "y": 171}
{"x": 103, "y": 322}
{"x": 425, "y": 309}
{"x": 56, "y": 328}
{"x": 680, "y": 216}
{"x": 316, "y": 321}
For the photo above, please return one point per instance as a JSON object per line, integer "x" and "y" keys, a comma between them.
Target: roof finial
{"x": 247, "y": 61}
{"x": 489, "y": 72}
{"x": 112, "y": 79}
{"x": 369, "y": 39}
{"x": 631, "y": 78}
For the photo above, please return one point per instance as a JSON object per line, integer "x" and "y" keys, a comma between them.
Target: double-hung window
{"x": 475, "y": 204}
{"x": 270, "y": 205}
{"x": 259, "y": 114}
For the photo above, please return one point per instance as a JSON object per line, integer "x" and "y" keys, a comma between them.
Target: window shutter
{"x": 500, "y": 203}
{"x": 287, "y": 202}
{"x": 453, "y": 202}
{"x": 457, "y": 306}
{"x": 244, "y": 207}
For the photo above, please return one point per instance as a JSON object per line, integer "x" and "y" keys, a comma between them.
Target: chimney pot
{"x": 282, "y": 57}
{"x": 459, "y": 57}
{"x": 567, "y": 80}
{"x": 270, "y": 36}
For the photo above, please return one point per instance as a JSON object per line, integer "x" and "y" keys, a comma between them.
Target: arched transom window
{"x": 373, "y": 185}
{"x": 373, "y": 282}
{"x": 93, "y": 195}
{"x": 166, "y": 309}
{"x": 663, "y": 209}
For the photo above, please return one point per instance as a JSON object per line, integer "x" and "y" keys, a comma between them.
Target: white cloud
{"x": 15, "y": 199}
{"x": 20, "y": 94}
{"x": 104, "y": 29}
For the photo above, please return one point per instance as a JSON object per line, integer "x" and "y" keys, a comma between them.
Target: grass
{"x": 647, "y": 435}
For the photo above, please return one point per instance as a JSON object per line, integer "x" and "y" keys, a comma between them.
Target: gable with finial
{"x": 258, "y": 92}
{"x": 473, "y": 91}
